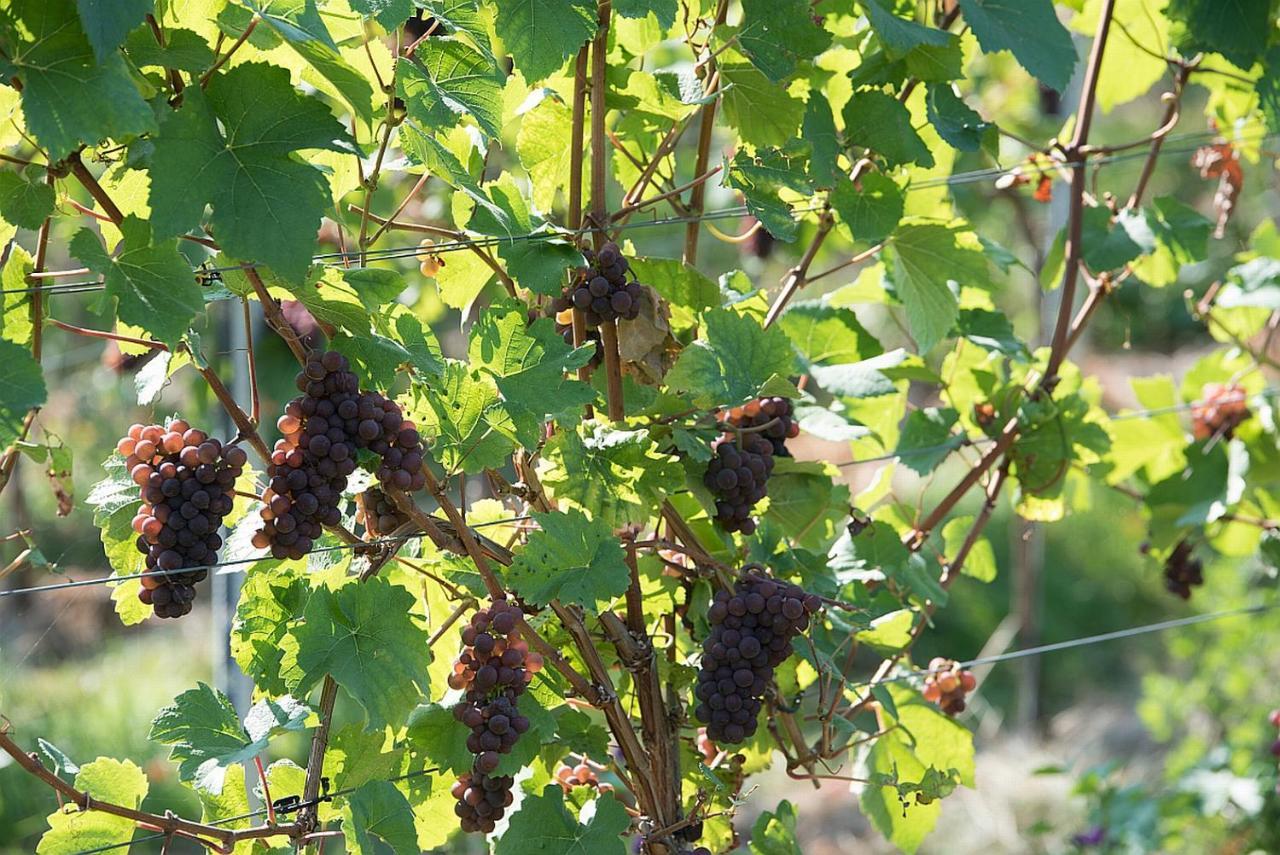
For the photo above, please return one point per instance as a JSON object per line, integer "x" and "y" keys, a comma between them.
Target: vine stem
{"x": 109, "y": 336}
{"x": 168, "y": 823}
{"x": 599, "y": 202}
{"x": 275, "y": 315}
{"x": 222, "y": 60}
{"x": 797, "y": 276}
{"x": 706, "y": 130}
{"x": 577, "y": 131}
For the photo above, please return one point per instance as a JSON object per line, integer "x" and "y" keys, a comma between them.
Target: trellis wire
{"x": 392, "y": 253}
{"x": 956, "y": 443}
{"x": 239, "y": 562}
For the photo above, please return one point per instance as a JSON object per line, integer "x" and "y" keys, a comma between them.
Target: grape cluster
{"x": 602, "y": 289}
{"x": 494, "y": 668}
{"x": 751, "y": 632}
{"x": 1182, "y": 571}
{"x": 774, "y": 412}
{"x": 947, "y": 683}
{"x": 564, "y": 326}
{"x": 1220, "y": 410}
{"x": 377, "y": 513}
{"x": 322, "y": 431}
{"x": 736, "y": 476}
{"x": 581, "y": 775}
{"x": 186, "y": 480}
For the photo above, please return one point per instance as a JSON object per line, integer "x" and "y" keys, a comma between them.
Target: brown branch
{"x": 599, "y": 201}
{"x": 175, "y": 79}
{"x": 168, "y": 823}
{"x": 1171, "y": 115}
{"x": 797, "y": 276}
{"x": 275, "y": 316}
{"x": 706, "y": 129}
{"x": 1075, "y": 220}
{"x": 109, "y": 336}
{"x": 627, "y": 211}
{"x": 577, "y": 132}
{"x": 248, "y": 31}
{"x": 86, "y": 179}
{"x": 255, "y": 407}
{"x": 404, "y": 203}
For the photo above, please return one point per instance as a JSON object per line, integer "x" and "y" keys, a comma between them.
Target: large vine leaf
{"x": 74, "y": 830}
{"x": 234, "y": 147}
{"x": 69, "y": 97}
{"x": 544, "y": 826}
{"x": 880, "y": 122}
{"x": 378, "y": 811}
{"x": 616, "y": 476}
{"x": 926, "y": 258}
{"x": 1028, "y": 28}
{"x": 151, "y": 283}
{"x": 107, "y": 22}
{"x": 734, "y": 360}
{"x": 364, "y": 635}
{"x": 463, "y": 411}
{"x": 23, "y": 202}
{"x": 778, "y": 34}
{"x": 1237, "y": 29}
{"x": 572, "y": 559}
{"x": 206, "y": 736}
{"x": 761, "y": 178}
{"x": 529, "y": 364}
{"x": 542, "y": 34}
{"x": 448, "y": 79}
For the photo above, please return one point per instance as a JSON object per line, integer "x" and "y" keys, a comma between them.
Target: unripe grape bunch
{"x": 603, "y": 290}
{"x": 186, "y": 481}
{"x": 323, "y": 429}
{"x": 751, "y": 631}
{"x": 582, "y": 774}
{"x": 494, "y": 669}
{"x": 946, "y": 685}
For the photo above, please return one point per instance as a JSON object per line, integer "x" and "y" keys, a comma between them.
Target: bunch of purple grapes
{"x": 323, "y": 429}
{"x": 771, "y": 417}
{"x": 1182, "y": 570}
{"x": 737, "y": 476}
{"x": 377, "y": 513}
{"x": 186, "y": 480}
{"x": 494, "y": 668}
{"x": 751, "y": 632}
{"x": 603, "y": 289}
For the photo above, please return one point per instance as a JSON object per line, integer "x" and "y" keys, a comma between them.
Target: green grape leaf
{"x": 24, "y": 203}
{"x": 1028, "y": 28}
{"x": 74, "y": 830}
{"x": 447, "y": 79}
{"x": 15, "y": 303}
{"x": 991, "y": 331}
{"x": 365, "y": 636}
{"x": 542, "y": 144}
{"x": 69, "y": 97}
{"x": 762, "y": 112}
{"x": 871, "y": 209}
{"x": 819, "y": 131}
{"x": 543, "y": 826}
{"x": 389, "y": 13}
{"x": 238, "y": 154}
{"x": 540, "y": 265}
{"x": 867, "y": 378}
{"x": 826, "y": 335}
{"x": 898, "y": 36}
{"x": 21, "y": 389}
{"x": 572, "y": 559}
{"x": 183, "y": 50}
{"x": 1181, "y": 237}
{"x": 776, "y": 35}
{"x": 269, "y": 603}
{"x": 663, "y": 10}
{"x": 735, "y": 359}
{"x": 616, "y": 476}
{"x": 927, "y": 439}
{"x": 686, "y": 289}
{"x": 151, "y": 283}
{"x": 376, "y": 816}
{"x": 529, "y": 364}
{"x": 206, "y": 736}
{"x": 107, "y": 22}
{"x": 434, "y": 731}
{"x": 926, "y": 258}
{"x": 761, "y": 179}
{"x": 880, "y": 122}
{"x": 889, "y": 633}
{"x": 957, "y": 123}
{"x": 1237, "y": 29}
{"x": 473, "y": 430}
{"x": 774, "y": 832}
{"x": 1110, "y": 245}
{"x": 299, "y": 25}
{"x": 806, "y": 503}
{"x": 542, "y": 34}
{"x": 981, "y": 562}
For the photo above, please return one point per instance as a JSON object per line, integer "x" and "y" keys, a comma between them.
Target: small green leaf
{"x": 957, "y": 123}
{"x": 570, "y": 558}
{"x": 981, "y": 562}
{"x": 21, "y": 389}
{"x": 732, "y": 362}
{"x": 74, "y": 830}
{"x": 926, "y": 258}
{"x": 927, "y": 439}
{"x": 761, "y": 178}
{"x": 151, "y": 282}
{"x": 779, "y": 34}
{"x": 543, "y": 826}
{"x": 542, "y": 34}
{"x": 107, "y": 22}
{"x": 378, "y": 815}
{"x": 774, "y": 833}
{"x": 762, "y": 112}
{"x": 24, "y": 203}
{"x": 616, "y": 476}
{"x": 1031, "y": 30}
{"x": 819, "y": 130}
{"x": 880, "y": 122}
{"x": 871, "y": 209}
